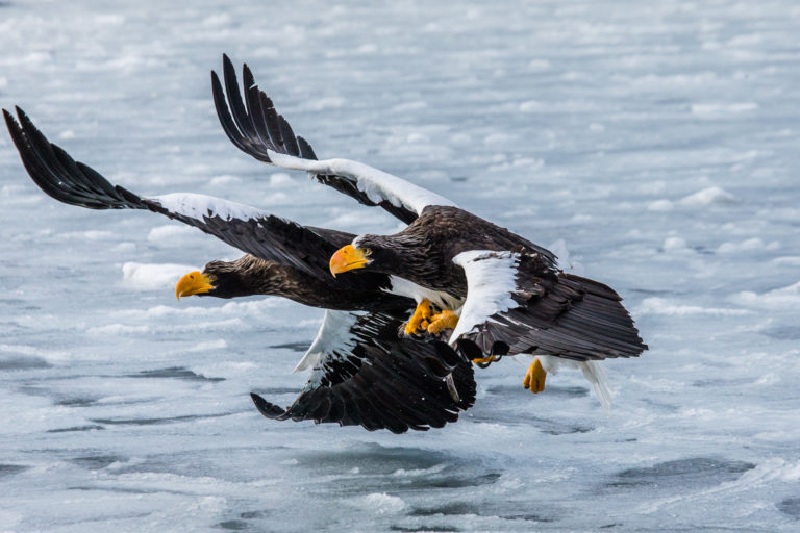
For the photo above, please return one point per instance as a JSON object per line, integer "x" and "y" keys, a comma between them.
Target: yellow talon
{"x": 421, "y": 314}
{"x": 485, "y": 360}
{"x": 535, "y": 377}
{"x": 440, "y": 321}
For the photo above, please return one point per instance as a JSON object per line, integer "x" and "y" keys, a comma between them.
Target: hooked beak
{"x": 348, "y": 258}
{"x": 193, "y": 284}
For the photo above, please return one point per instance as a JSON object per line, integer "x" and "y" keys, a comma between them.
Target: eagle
{"x": 362, "y": 372}
{"x": 490, "y": 291}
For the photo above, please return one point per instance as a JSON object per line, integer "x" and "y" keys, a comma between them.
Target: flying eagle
{"x": 362, "y": 373}
{"x": 496, "y": 292}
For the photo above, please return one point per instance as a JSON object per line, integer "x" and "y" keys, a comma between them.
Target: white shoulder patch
{"x": 199, "y": 206}
{"x": 333, "y": 335}
{"x": 491, "y": 279}
{"x": 377, "y": 185}
{"x": 409, "y": 289}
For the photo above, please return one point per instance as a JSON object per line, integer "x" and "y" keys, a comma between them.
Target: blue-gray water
{"x": 658, "y": 140}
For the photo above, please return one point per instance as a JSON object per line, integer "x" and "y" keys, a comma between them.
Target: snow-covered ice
{"x": 655, "y": 142}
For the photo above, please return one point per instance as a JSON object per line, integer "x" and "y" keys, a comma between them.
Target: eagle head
{"x": 247, "y": 276}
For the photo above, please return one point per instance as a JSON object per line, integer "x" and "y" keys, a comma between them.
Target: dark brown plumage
{"x": 423, "y": 251}
{"x": 558, "y": 313}
{"x": 385, "y": 382}
{"x": 550, "y": 312}
{"x": 365, "y": 375}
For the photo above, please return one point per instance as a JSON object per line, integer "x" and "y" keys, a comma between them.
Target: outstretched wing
{"x": 247, "y": 228}
{"x": 364, "y": 374}
{"x": 518, "y": 303}
{"x": 377, "y": 186}
{"x": 253, "y": 126}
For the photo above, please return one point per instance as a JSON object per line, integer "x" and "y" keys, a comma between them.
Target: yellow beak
{"x": 348, "y": 258}
{"x": 192, "y": 284}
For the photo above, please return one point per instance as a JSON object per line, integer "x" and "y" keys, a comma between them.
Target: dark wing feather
{"x": 382, "y": 382}
{"x": 558, "y": 314}
{"x": 46, "y": 164}
{"x": 264, "y": 235}
{"x": 254, "y": 126}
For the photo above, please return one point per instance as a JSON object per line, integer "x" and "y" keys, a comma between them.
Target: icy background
{"x": 657, "y": 142}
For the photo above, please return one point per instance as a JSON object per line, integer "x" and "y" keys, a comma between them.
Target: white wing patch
{"x": 333, "y": 335}
{"x": 409, "y": 289}
{"x": 491, "y": 279}
{"x": 199, "y": 207}
{"x": 377, "y": 185}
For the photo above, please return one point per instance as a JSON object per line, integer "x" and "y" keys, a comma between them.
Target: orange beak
{"x": 348, "y": 258}
{"x": 192, "y": 284}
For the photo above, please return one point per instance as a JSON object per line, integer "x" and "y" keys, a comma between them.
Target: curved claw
{"x": 484, "y": 362}
{"x": 422, "y": 315}
{"x": 439, "y": 322}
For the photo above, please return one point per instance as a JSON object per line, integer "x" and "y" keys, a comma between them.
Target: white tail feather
{"x": 594, "y": 372}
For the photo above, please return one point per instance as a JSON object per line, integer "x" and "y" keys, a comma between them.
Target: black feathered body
{"x": 384, "y": 382}
{"x": 250, "y": 276}
{"x": 423, "y": 252}
{"x": 372, "y": 377}
{"x": 555, "y": 308}
{"x": 558, "y": 313}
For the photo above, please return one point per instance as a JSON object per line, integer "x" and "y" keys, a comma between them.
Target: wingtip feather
{"x": 266, "y": 408}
